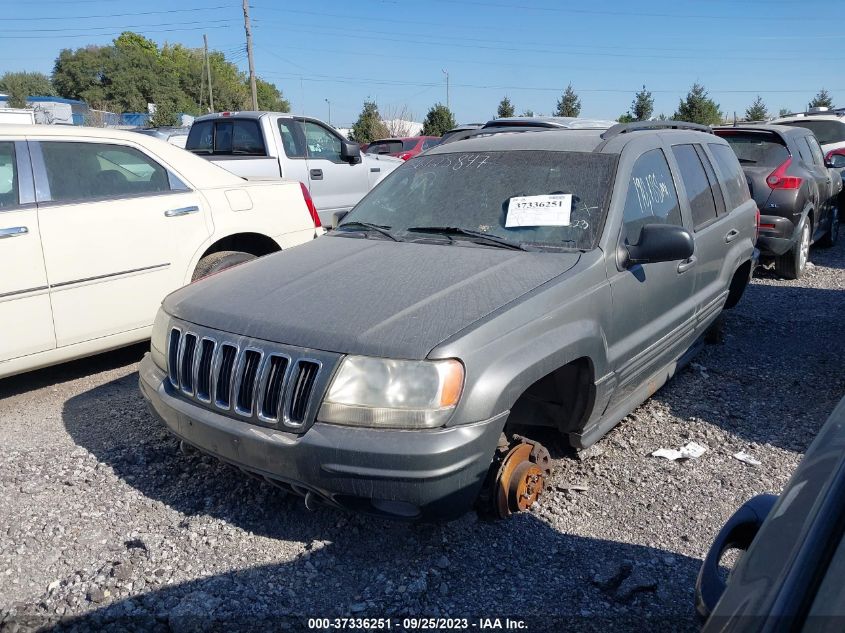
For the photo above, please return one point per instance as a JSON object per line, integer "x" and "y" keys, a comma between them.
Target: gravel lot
{"x": 104, "y": 521}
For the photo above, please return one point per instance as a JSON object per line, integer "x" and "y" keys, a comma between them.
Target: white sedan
{"x": 97, "y": 226}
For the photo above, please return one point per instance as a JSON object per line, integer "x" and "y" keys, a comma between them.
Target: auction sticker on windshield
{"x": 546, "y": 210}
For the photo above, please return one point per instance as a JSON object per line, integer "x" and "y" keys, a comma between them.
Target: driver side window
{"x": 321, "y": 143}
{"x": 652, "y": 198}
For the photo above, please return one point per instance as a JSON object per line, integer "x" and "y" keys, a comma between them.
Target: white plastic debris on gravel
{"x": 691, "y": 450}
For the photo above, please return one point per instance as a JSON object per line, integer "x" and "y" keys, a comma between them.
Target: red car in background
{"x": 403, "y": 148}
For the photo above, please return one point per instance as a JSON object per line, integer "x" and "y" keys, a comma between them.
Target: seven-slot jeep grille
{"x": 255, "y": 380}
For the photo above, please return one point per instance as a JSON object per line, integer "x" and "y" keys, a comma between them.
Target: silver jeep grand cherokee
{"x": 540, "y": 278}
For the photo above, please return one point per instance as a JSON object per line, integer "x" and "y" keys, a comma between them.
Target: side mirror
{"x": 337, "y": 218}
{"x": 350, "y": 152}
{"x": 835, "y": 159}
{"x": 660, "y": 243}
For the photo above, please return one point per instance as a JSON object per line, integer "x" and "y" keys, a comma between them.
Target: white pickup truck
{"x": 272, "y": 145}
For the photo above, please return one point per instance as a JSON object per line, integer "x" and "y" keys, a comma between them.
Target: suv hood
{"x": 365, "y": 296}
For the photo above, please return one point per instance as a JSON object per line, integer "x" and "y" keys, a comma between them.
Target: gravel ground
{"x": 104, "y": 522}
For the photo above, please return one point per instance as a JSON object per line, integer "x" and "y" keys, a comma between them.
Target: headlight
{"x": 158, "y": 340}
{"x": 385, "y": 393}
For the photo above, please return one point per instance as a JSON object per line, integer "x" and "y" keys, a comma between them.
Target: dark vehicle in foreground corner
{"x": 791, "y": 576}
{"x": 403, "y": 148}
{"x": 794, "y": 188}
{"x": 545, "y": 279}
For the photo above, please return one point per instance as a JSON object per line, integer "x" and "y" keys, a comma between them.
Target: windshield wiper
{"x": 501, "y": 242}
{"x": 378, "y": 228}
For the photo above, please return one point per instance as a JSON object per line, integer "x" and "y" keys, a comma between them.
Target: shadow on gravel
{"x": 553, "y": 581}
{"x": 777, "y": 374}
{"x": 355, "y": 564}
{"x": 65, "y": 372}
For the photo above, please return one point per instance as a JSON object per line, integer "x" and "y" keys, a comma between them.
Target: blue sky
{"x": 395, "y": 51}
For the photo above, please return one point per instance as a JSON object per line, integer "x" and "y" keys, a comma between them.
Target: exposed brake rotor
{"x": 521, "y": 476}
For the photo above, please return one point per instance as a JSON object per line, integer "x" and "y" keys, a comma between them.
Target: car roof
{"x": 200, "y": 172}
{"x": 808, "y": 117}
{"x": 562, "y": 139}
{"x": 251, "y": 114}
{"x": 569, "y": 122}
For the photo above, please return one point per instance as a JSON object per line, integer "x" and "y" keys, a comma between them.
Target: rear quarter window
{"x": 201, "y": 137}
{"x": 731, "y": 176}
{"x": 757, "y": 150}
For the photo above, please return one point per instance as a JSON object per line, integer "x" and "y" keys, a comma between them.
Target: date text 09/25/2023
{"x": 417, "y": 624}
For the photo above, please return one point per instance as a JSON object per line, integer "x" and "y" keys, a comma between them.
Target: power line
{"x": 91, "y": 29}
{"x": 51, "y": 37}
{"x": 115, "y": 15}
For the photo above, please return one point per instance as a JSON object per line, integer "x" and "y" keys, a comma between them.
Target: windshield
{"x": 756, "y": 148}
{"x": 536, "y": 198}
{"x": 825, "y": 131}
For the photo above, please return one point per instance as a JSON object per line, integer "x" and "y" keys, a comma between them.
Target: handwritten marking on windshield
{"x": 456, "y": 163}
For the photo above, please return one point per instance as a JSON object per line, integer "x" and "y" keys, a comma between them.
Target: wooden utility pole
{"x": 446, "y": 72}
{"x": 248, "y": 29}
{"x": 208, "y": 70}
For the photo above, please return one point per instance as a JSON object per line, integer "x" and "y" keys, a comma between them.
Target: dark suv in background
{"x": 794, "y": 188}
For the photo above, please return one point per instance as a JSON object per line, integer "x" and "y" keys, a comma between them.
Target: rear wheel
{"x": 221, "y": 260}
{"x": 793, "y": 263}
{"x": 832, "y": 234}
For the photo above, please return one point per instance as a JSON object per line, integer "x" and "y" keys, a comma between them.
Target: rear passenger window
{"x": 651, "y": 198}
{"x": 201, "y": 137}
{"x": 733, "y": 178}
{"x": 293, "y": 146}
{"x": 91, "y": 171}
{"x": 816, "y": 149}
{"x": 8, "y": 176}
{"x": 701, "y": 201}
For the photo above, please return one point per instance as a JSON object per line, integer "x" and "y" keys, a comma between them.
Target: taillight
{"x": 779, "y": 180}
{"x": 406, "y": 155}
{"x": 309, "y": 202}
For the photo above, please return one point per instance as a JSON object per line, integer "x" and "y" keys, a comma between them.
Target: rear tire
{"x": 832, "y": 234}
{"x": 221, "y": 260}
{"x": 793, "y": 263}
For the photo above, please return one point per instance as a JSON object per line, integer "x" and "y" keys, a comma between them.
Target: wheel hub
{"x": 521, "y": 477}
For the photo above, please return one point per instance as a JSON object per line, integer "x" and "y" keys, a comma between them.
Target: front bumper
{"x": 429, "y": 474}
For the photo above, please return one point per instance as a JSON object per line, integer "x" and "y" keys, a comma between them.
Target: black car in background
{"x": 791, "y": 576}
{"x": 794, "y": 187}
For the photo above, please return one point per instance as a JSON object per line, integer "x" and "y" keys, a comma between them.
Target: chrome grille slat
{"x": 259, "y": 382}
{"x": 224, "y": 375}
{"x": 186, "y": 362}
{"x": 202, "y": 374}
{"x": 247, "y": 381}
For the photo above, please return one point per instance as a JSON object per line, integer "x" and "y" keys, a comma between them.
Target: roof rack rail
{"x": 624, "y": 128}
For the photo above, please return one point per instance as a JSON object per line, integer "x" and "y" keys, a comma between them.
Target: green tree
{"x": 626, "y": 118}
{"x": 438, "y": 121}
{"x": 643, "y": 105}
{"x": 527, "y": 113}
{"x": 505, "y": 109}
{"x": 270, "y": 98}
{"x": 132, "y": 72}
{"x": 20, "y": 85}
{"x": 784, "y": 111}
{"x": 569, "y": 103}
{"x": 821, "y": 100}
{"x": 757, "y": 110}
{"x": 165, "y": 114}
{"x": 698, "y": 107}
{"x": 369, "y": 127}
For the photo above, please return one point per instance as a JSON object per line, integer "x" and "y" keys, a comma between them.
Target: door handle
{"x": 316, "y": 174}
{"x": 685, "y": 265}
{"x": 732, "y": 235}
{"x": 13, "y": 231}
{"x": 175, "y": 213}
